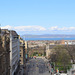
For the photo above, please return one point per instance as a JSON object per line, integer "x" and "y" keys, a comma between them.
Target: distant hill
{"x": 48, "y": 36}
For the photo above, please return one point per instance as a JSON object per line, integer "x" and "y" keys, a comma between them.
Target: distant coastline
{"x": 48, "y": 37}
{"x": 27, "y": 39}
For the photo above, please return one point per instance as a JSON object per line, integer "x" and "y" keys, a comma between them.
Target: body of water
{"x": 49, "y": 39}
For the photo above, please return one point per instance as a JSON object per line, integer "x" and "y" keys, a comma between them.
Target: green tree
{"x": 61, "y": 57}
{"x": 71, "y": 52}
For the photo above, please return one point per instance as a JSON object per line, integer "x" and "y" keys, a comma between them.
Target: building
{"x": 14, "y": 49}
{"x": 69, "y": 42}
{"x": 14, "y": 53}
{"x": 4, "y": 53}
{"x": 26, "y": 51}
{"x": 9, "y": 52}
{"x": 22, "y": 56}
{"x": 49, "y": 49}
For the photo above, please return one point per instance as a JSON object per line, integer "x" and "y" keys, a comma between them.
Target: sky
{"x": 38, "y": 16}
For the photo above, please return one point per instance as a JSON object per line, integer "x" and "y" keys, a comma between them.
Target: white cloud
{"x": 53, "y": 28}
{"x": 56, "y": 28}
{"x": 30, "y": 28}
{"x": 24, "y": 28}
{"x": 7, "y": 27}
{"x": 37, "y": 28}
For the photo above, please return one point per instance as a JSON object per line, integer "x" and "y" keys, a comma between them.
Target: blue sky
{"x": 38, "y": 16}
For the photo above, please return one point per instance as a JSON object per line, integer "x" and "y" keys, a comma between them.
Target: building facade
{"x": 4, "y": 53}
{"x": 49, "y": 49}
{"x": 22, "y": 56}
{"x": 14, "y": 53}
{"x": 26, "y": 51}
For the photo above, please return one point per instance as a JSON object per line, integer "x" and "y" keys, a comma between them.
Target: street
{"x": 37, "y": 66}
